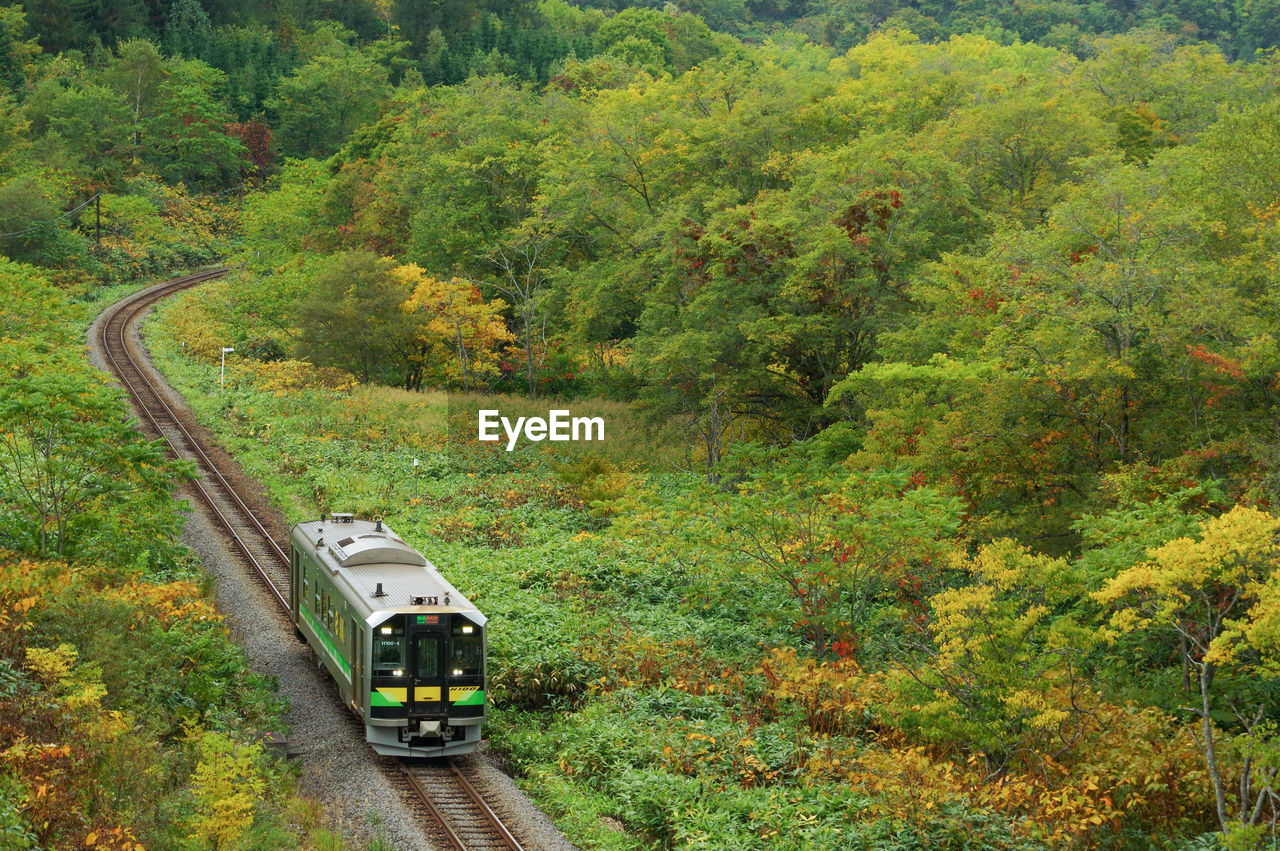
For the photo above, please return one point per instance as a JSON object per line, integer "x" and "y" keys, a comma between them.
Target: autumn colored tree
{"x": 255, "y": 135}
{"x": 1007, "y": 670}
{"x": 460, "y": 335}
{"x": 226, "y": 784}
{"x": 1218, "y": 596}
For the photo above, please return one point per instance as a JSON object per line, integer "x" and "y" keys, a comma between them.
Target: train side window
{"x": 306, "y": 589}
{"x": 427, "y": 664}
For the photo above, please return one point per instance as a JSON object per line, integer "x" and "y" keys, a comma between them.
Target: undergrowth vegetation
{"x": 129, "y": 719}
{"x": 650, "y": 688}
{"x": 939, "y": 372}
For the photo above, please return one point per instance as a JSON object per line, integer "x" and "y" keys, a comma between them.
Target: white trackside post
{"x": 222, "y": 374}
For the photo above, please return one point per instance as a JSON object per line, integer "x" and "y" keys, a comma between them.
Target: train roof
{"x": 362, "y": 555}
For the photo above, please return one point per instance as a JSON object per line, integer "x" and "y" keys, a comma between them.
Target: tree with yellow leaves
{"x": 226, "y": 785}
{"x": 1006, "y": 668}
{"x": 1220, "y": 596}
{"x": 459, "y": 334}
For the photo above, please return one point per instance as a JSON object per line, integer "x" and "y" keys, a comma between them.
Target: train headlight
{"x": 397, "y": 673}
{"x": 386, "y": 630}
{"x": 457, "y": 672}
{"x": 467, "y": 630}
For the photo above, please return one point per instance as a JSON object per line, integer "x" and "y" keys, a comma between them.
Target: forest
{"x": 938, "y": 343}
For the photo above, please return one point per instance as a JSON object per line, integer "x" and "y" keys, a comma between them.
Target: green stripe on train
{"x": 377, "y": 698}
{"x": 476, "y": 698}
{"x": 326, "y": 641}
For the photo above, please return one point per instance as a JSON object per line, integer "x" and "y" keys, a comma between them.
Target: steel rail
{"x": 485, "y": 809}
{"x": 117, "y": 324}
{"x": 141, "y": 305}
{"x": 425, "y": 798}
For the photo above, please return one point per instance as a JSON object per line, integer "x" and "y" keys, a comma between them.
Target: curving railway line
{"x": 461, "y": 817}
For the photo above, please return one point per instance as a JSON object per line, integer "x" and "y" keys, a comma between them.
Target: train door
{"x": 359, "y": 688}
{"x": 295, "y": 567}
{"x": 427, "y": 643}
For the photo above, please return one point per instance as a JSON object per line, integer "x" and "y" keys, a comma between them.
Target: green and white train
{"x": 405, "y": 648}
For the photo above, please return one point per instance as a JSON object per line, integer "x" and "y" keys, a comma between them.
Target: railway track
{"x": 463, "y": 819}
{"x": 122, "y": 349}
{"x": 457, "y": 805}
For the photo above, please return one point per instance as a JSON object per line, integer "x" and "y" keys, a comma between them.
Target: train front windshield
{"x": 427, "y": 653}
{"x": 467, "y": 654}
{"x": 388, "y": 649}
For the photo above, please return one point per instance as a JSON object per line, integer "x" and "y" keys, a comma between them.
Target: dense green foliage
{"x": 966, "y": 343}
{"x": 444, "y": 41}
{"x": 128, "y": 716}
{"x": 943, "y": 240}
{"x": 960, "y": 321}
{"x": 112, "y": 170}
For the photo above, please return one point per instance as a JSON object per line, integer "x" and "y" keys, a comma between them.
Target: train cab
{"x": 406, "y": 649}
{"x": 428, "y": 674}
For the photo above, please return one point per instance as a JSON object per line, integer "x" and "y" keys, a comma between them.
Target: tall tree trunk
{"x": 1210, "y": 749}
{"x": 1186, "y": 663}
{"x": 528, "y": 356}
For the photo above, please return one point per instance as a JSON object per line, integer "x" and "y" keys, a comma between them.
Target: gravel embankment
{"x": 337, "y": 766}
